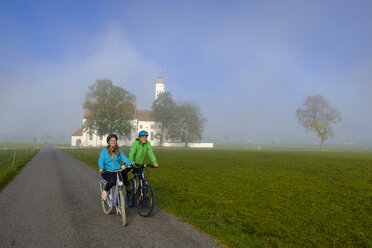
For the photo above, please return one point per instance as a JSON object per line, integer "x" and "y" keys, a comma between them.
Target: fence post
{"x": 14, "y": 158}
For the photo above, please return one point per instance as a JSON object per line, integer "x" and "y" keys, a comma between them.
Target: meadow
{"x": 251, "y": 198}
{"x": 13, "y": 157}
{"x": 20, "y": 145}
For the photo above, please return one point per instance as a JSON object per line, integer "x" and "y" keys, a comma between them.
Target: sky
{"x": 248, "y": 64}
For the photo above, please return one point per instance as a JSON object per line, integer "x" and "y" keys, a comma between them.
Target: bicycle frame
{"x": 113, "y": 195}
{"x": 116, "y": 198}
{"x": 141, "y": 180}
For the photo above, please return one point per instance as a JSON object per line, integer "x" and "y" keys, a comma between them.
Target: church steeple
{"x": 159, "y": 85}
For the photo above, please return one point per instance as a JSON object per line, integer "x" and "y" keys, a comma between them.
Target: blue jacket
{"x": 111, "y": 163}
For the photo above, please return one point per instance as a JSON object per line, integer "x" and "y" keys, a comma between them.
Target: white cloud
{"x": 47, "y": 98}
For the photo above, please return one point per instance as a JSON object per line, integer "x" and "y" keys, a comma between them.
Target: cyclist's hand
{"x": 133, "y": 162}
{"x": 156, "y": 165}
{"x": 100, "y": 170}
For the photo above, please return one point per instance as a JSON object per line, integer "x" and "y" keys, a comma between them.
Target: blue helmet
{"x": 143, "y": 133}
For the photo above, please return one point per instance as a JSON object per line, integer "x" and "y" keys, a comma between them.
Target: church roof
{"x": 144, "y": 115}
{"x": 87, "y": 112}
{"x": 141, "y": 115}
{"x": 78, "y": 132}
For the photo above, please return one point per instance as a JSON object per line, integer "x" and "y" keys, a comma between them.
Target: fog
{"x": 248, "y": 65}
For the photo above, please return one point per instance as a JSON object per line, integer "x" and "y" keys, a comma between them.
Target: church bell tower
{"x": 159, "y": 85}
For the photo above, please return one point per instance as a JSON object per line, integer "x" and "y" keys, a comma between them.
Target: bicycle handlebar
{"x": 104, "y": 170}
{"x": 145, "y": 165}
{"x": 140, "y": 166}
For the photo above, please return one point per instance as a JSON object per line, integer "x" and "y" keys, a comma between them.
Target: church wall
{"x": 74, "y": 140}
{"x": 94, "y": 140}
{"x": 151, "y": 127}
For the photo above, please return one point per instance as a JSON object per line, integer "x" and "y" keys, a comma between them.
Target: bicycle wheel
{"x": 105, "y": 207}
{"x": 145, "y": 202}
{"x": 122, "y": 209}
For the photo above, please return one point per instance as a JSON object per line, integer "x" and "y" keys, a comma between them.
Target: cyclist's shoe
{"x": 104, "y": 195}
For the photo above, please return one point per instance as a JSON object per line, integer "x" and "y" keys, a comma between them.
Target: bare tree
{"x": 317, "y": 116}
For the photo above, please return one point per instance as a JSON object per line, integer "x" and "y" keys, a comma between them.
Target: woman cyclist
{"x": 109, "y": 160}
{"x": 137, "y": 153}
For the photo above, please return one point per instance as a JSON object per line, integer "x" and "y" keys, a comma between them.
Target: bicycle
{"x": 141, "y": 192}
{"x": 116, "y": 199}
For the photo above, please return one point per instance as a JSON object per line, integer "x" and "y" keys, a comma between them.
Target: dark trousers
{"x": 124, "y": 173}
{"x": 110, "y": 178}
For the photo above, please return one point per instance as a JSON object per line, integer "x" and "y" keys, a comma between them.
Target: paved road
{"x": 54, "y": 202}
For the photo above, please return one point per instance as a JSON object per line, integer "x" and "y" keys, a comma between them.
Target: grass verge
{"x": 12, "y": 162}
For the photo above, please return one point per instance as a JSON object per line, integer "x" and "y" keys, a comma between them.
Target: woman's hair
{"x": 114, "y": 150}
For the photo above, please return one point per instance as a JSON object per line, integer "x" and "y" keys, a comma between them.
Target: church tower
{"x": 159, "y": 85}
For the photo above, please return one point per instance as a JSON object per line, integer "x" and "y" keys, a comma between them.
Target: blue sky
{"x": 248, "y": 64}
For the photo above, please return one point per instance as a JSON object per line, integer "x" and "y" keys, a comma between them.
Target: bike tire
{"x": 145, "y": 205}
{"x": 122, "y": 211}
{"x": 105, "y": 207}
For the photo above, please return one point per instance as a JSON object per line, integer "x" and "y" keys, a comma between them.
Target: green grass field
{"x": 8, "y": 169}
{"x": 246, "y": 198}
{"x": 20, "y": 145}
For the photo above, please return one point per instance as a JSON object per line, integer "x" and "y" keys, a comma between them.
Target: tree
{"x": 188, "y": 124}
{"x": 317, "y": 116}
{"x": 164, "y": 111}
{"x": 110, "y": 109}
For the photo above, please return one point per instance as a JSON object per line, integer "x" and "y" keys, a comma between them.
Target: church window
{"x": 152, "y": 136}
{"x": 141, "y": 126}
{"x": 90, "y": 136}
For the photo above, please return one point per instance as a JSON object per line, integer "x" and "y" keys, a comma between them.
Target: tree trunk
{"x": 162, "y": 132}
{"x": 322, "y": 144}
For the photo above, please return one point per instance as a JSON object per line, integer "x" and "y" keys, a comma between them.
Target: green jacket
{"x": 138, "y": 151}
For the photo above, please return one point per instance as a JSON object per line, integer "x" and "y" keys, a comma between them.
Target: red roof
{"x": 145, "y": 115}
{"x": 78, "y": 132}
{"x": 87, "y": 111}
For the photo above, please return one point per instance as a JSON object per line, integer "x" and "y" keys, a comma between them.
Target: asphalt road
{"x": 55, "y": 202}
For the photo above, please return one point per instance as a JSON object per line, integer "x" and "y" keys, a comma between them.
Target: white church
{"x": 143, "y": 121}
